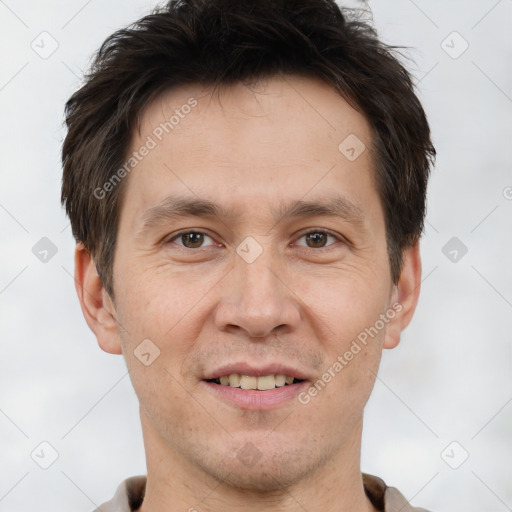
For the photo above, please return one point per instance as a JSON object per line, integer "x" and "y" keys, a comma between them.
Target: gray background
{"x": 443, "y": 394}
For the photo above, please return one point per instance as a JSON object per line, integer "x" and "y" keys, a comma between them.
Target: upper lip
{"x": 244, "y": 368}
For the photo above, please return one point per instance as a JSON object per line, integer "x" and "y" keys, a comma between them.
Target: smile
{"x": 262, "y": 383}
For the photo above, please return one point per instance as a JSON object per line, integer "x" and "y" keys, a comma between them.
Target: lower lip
{"x": 254, "y": 399}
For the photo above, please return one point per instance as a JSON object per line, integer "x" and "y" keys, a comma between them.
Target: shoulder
{"x": 385, "y": 498}
{"x": 128, "y": 496}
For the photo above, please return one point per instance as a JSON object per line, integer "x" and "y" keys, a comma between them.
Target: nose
{"x": 257, "y": 299}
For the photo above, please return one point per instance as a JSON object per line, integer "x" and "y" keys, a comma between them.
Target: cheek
{"x": 157, "y": 333}
{"x": 349, "y": 327}
{"x": 346, "y": 302}
{"x": 341, "y": 392}
{"x": 165, "y": 401}
{"x": 157, "y": 300}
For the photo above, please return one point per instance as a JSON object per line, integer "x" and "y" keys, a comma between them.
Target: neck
{"x": 175, "y": 484}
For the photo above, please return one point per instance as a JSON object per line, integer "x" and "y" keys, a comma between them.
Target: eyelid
{"x": 306, "y": 231}
{"x": 169, "y": 239}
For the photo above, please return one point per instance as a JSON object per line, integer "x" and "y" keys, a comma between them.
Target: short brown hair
{"x": 215, "y": 42}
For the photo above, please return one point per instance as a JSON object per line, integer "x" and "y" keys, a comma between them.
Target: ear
{"x": 97, "y": 306}
{"x": 405, "y": 295}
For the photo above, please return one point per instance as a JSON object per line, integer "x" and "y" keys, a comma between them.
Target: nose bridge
{"x": 256, "y": 298}
{"x": 259, "y": 278}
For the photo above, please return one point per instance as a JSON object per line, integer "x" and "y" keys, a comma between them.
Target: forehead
{"x": 283, "y": 138}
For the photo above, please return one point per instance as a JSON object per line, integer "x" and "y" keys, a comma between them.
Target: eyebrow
{"x": 174, "y": 207}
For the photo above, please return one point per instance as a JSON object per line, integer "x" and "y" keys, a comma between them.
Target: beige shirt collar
{"x": 130, "y": 493}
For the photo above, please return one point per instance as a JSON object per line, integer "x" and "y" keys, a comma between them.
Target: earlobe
{"x": 405, "y": 295}
{"x": 97, "y": 306}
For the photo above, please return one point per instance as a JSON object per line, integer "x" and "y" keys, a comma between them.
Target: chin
{"x": 270, "y": 469}
{"x": 261, "y": 478}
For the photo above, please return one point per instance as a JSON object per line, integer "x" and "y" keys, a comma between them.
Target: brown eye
{"x": 190, "y": 239}
{"x": 317, "y": 239}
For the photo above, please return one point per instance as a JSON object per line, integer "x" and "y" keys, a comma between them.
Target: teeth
{"x": 280, "y": 380}
{"x": 262, "y": 383}
{"x": 248, "y": 382}
{"x": 267, "y": 382}
{"x": 234, "y": 380}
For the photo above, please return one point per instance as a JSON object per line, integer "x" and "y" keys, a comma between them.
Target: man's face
{"x": 257, "y": 290}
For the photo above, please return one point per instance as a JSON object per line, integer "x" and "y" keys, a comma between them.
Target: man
{"x": 246, "y": 184}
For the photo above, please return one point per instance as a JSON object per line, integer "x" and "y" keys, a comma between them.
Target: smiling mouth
{"x": 262, "y": 383}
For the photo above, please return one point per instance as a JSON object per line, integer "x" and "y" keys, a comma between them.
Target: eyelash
{"x": 323, "y": 231}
